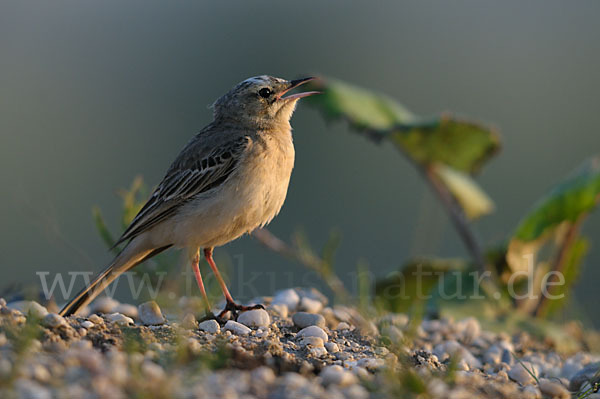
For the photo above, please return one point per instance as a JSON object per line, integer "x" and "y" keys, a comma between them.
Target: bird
{"x": 230, "y": 179}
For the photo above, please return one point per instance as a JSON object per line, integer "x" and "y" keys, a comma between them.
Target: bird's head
{"x": 260, "y": 101}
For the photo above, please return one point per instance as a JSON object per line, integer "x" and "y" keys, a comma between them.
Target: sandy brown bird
{"x": 230, "y": 179}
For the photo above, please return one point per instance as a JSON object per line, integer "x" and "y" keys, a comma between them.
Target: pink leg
{"x": 196, "y": 268}
{"x": 231, "y": 305}
{"x": 208, "y": 255}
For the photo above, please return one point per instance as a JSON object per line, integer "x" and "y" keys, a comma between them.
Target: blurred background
{"x": 93, "y": 94}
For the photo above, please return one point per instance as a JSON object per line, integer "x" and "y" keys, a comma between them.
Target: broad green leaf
{"x": 412, "y": 285}
{"x": 474, "y": 201}
{"x": 457, "y": 143}
{"x": 567, "y": 202}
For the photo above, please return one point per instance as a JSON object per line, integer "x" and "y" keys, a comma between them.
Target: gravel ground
{"x": 297, "y": 348}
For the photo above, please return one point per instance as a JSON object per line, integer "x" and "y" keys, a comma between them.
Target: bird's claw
{"x": 235, "y": 309}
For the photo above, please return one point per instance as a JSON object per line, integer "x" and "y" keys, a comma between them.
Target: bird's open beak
{"x": 297, "y": 96}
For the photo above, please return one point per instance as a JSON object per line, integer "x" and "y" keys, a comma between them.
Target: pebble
{"x": 104, "y": 305}
{"x": 280, "y": 309}
{"x": 150, "y": 314}
{"x": 152, "y": 371}
{"x": 32, "y": 307}
{"x": 304, "y": 319}
{"x": 236, "y": 328}
{"x": 87, "y": 324}
{"x": 313, "y": 331}
{"x": 310, "y": 305}
{"x": 52, "y": 320}
{"x": 332, "y": 347}
{"x": 315, "y": 342}
{"x": 336, "y": 375}
{"x": 119, "y": 318}
{"x": 255, "y": 318}
{"x": 2, "y": 302}
{"x": 584, "y": 375}
{"x": 342, "y": 326}
{"x": 317, "y": 351}
{"x": 519, "y": 374}
{"x": 531, "y": 392}
{"x": 94, "y": 318}
{"x": 127, "y": 309}
{"x": 288, "y": 298}
{"x": 210, "y": 326}
{"x": 189, "y": 322}
{"x": 553, "y": 389}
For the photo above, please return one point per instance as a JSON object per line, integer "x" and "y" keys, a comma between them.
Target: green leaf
{"x": 460, "y": 144}
{"x": 474, "y": 201}
{"x": 567, "y": 202}
{"x": 410, "y": 287}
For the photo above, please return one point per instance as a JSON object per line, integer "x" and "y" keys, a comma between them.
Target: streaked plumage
{"x": 231, "y": 178}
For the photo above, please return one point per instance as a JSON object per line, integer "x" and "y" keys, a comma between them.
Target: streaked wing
{"x": 190, "y": 175}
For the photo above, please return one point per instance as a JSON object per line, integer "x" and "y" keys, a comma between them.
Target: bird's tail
{"x": 133, "y": 254}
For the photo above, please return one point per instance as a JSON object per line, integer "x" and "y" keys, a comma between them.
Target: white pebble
{"x": 553, "y": 389}
{"x": 104, "y": 305}
{"x": 118, "y": 318}
{"x": 96, "y": 319}
{"x": 343, "y": 326}
{"x": 189, "y": 321}
{"x": 210, "y": 326}
{"x": 236, "y": 328}
{"x": 336, "y": 375}
{"x": 127, "y": 309}
{"x": 310, "y": 305}
{"x": 317, "y": 351}
{"x": 32, "y": 307}
{"x": 280, "y": 309}
{"x": 304, "y": 319}
{"x": 332, "y": 347}
{"x": 150, "y": 314}
{"x": 313, "y": 331}
{"x": 287, "y": 297}
{"x": 255, "y": 318}
{"x": 87, "y": 324}
{"x": 53, "y": 320}
{"x": 519, "y": 374}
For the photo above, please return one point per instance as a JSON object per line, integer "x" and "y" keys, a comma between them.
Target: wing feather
{"x": 189, "y": 176}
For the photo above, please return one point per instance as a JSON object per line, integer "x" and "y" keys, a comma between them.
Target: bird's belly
{"x": 249, "y": 199}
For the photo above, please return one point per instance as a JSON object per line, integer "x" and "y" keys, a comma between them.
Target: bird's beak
{"x": 293, "y": 85}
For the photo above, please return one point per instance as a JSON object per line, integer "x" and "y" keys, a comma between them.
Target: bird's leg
{"x": 231, "y": 306}
{"x": 196, "y": 267}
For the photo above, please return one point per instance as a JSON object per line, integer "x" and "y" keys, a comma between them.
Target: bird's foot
{"x": 235, "y": 309}
{"x": 208, "y": 315}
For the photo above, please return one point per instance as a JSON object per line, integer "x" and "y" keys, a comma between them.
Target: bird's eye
{"x": 265, "y": 92}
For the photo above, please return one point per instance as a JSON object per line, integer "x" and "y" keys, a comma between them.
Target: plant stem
{"x": 457, "y": 215}
{"x": 561, "y": 261}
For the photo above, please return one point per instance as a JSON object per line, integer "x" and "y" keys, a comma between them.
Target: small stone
{"x": 264, "y": 375}
{"x": 118, "y": 318}
{"x": 520, "y": 375}
{"x": 87, "y": 324}
{"x": 280, "y": 309}
{"x": 304, "y": 319}
{"x": 553, "y": 389}
{"x": 52, "y": 320}
{"x": 310, "y": 305}
{"x": 150, "y": 314}
{"x": 336, "y": 375}
{"x": 315, "y": 342}
{"x": 94, "y": 318}
{"x": 531, "y": 392}
{"x": 2, "y": 302}
{"x": 313, "y": 331}
{"x": 332, "y": 347}
{"x": 287, "y": 297}
{"x": 470, "y": 329}
{"x": 31, "y": 390}
{"x": 104, "y": 305}
{"x": 343, "y": 326}
{"x": 317, "y": 351}
{"x": 371, "y": 364}
{"x": 236, "y": 328}
{"x": 210, "y": 326}
{"x": 127, "y": 309}
{"x": 584, "y": 375}
{"x": 255, "y": 318}
{"x": 31, "y": 307}
{"x": 189, "y": 322}
{"x": 3, "y": 339}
